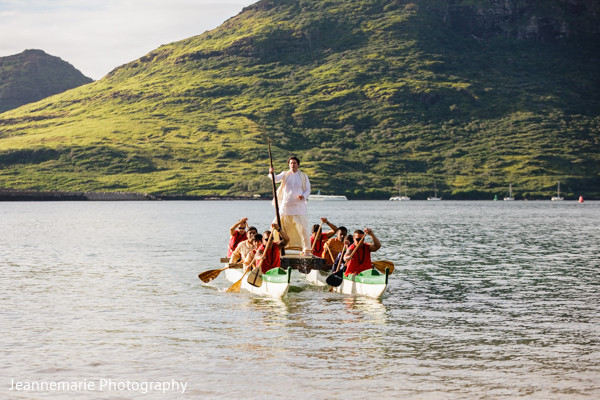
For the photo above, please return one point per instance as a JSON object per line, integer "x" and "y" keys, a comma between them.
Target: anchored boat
{"x": 510, "y": 195}
{"x": 558, "y": 196}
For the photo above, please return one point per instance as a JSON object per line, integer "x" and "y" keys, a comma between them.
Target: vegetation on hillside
{"x": 363, "y": 91}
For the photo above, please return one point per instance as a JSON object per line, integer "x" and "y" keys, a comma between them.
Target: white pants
{"x": 296, "y": 227}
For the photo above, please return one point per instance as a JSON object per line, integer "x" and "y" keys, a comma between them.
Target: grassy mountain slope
{"x": 363, "y": 91}
{"x": 32, "y": 75}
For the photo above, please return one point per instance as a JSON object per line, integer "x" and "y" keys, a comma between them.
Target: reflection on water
{"x": 488, "y": 300}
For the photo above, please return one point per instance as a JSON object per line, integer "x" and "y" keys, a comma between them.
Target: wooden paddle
{"x": 211, "y": 274}
{"x": 316, "y": 235}
{"x": 235, "y": 288}
{"x": 275, "y": 192}
{"x": 336, "y": 278}
{"x": 382, "y": 265}
{"x": 208, "y": 276}
{"x": 330, "y": 254}
{"x": 255, "y": 277}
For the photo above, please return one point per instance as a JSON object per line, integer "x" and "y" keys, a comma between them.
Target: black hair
{"x": 294, "y": 158}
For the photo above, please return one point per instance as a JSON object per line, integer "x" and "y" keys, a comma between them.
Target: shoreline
{"x": 33, "y": 195}
{"x": 58, "y": 195}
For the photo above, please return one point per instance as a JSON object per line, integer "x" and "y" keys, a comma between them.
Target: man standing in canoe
{"x": 292, "y": 197}
{"x": 361, "y": 260}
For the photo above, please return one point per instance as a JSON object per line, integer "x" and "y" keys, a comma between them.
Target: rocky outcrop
{"x": 548, "y": 20}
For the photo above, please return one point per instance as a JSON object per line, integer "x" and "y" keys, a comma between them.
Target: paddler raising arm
{"x": 237, "y": 234}
{"x": 361, "y": 260}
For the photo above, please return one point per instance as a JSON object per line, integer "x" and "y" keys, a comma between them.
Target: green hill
{"x": 33, "y": 75}
{"x": 472, "y": 95}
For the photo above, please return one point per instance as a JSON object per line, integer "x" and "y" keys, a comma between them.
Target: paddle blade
{"x": 235, "y": 288}
{"x": 382, "y": 265}
{"x": 335, "y": 279}
{"x": 255, "y": 278}
{"x": 208, "y": 276}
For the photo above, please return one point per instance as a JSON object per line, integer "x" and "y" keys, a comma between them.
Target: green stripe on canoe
{"x": 277, "y": 275}
{"x": 371, "y": 276}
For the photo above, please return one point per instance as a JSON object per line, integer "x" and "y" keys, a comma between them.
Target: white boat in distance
{"x": 557, "y": 197}
{"x": 434, "y": 197}
{"x": 510, "y": 196}
{"x": 400, "y": 197}
{"x": 324, "y": 197}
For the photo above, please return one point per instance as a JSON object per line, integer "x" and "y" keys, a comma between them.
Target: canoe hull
{"x": 317, "y": 277}
{"x": 370, "y": 283}
{"x": 276, "y": 282}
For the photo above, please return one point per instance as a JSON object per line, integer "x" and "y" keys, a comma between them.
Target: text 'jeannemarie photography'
{"x": 99, "y": 385}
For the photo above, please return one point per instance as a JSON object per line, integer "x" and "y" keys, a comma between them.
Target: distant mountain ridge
{"x": 33, "y": 75}
{"x": 469, "y": 95}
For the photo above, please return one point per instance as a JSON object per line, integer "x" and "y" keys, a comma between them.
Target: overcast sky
{"x": 96, "y": 36}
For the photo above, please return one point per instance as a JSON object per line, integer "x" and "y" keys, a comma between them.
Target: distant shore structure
{"x": 325, "y": 197}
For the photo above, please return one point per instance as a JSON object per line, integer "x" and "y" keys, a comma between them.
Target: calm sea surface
{"x": 489, "y": 300}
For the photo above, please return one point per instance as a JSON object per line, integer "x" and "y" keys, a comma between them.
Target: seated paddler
{"x": 272, "y": 255}
{"x": 333, "y": 247}
{"x": 318, "y": 237}
{"x": 245, "y": 247}
{"x": 360, "y": 260}
{"x": 339, "y": 263}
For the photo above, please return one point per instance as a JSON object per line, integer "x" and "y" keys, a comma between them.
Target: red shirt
{"x": 361, "y": 261}
{"x": 271, "y": 259}
{"x": 236, "y": 239}
{"x": 317, "y": 249}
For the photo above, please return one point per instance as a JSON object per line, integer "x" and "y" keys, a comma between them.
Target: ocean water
{"x": 489, "y": 300}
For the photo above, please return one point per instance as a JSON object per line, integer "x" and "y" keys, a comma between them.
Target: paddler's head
{"x": 348, "y": 240}
{"x": 293, "y": 163}
{"x": 341, "y": 233}
{"x": 315, "y": 229}
{"x": 265, "y": 236}
{"x": 358, "y": 234}
{"x": 256, "y": 240}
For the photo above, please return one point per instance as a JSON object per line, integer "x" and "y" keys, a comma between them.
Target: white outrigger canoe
{"x": 275, "y": 283}
{"x": 370, "y": 283}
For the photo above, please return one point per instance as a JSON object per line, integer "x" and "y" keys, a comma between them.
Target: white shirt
{"x": 291, "y": 204}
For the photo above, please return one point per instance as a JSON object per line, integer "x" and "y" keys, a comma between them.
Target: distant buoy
{"x": 581, "y": 199}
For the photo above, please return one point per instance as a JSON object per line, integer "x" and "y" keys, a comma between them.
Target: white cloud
{"x": 97, "y": 36}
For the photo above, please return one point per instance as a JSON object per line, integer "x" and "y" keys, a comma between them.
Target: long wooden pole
{"x": 275, "y": 192}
